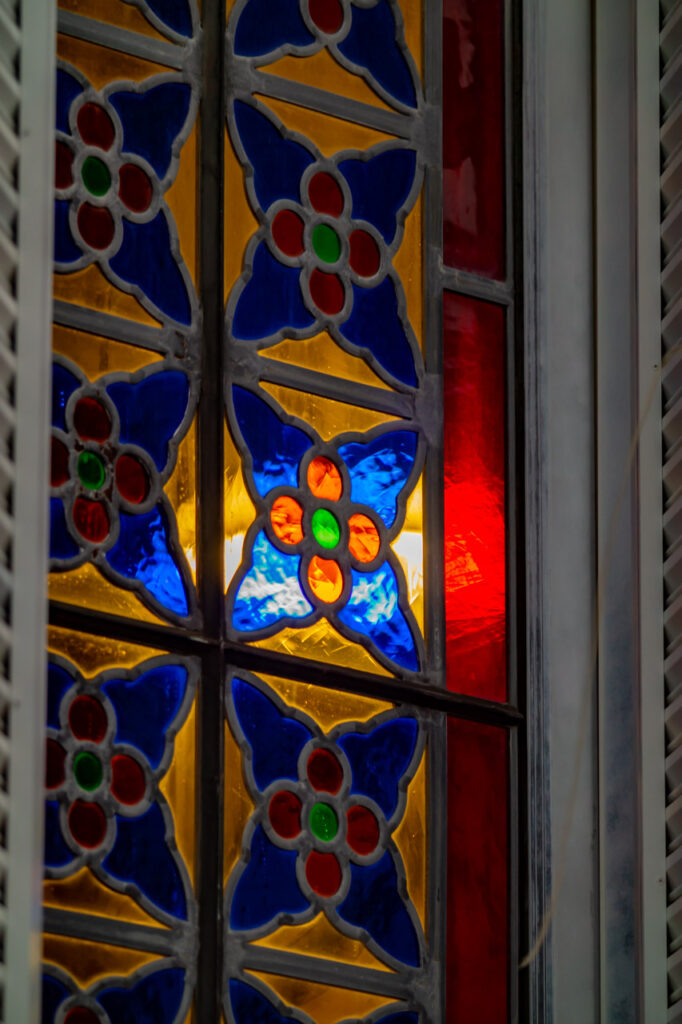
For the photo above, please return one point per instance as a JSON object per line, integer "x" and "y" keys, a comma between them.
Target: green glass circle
{"x": 91, "y": 471}
{"x": 88, "y": 770}
{"x": 96, "y": 176}
{"x": 326, "y": 529}
{"x": 326, "y": 243}
{"x": 323, "y": 822}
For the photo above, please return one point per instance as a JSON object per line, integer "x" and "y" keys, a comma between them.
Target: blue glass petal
{"x": 62, "y": 544}
{"x": 276, "y": 447}
{"x": 174, "y": 13}
{"x": 57, "y": 853}
{"x": 142, "y": 553}
{"x": 152, "y": 120}
{"x": 403, "y": 1017}
{"x": 276, "y": 740}
{"x": 379, "y": 470}
{"x": 249, "y": 1006}
{"x": 372, "y": 44}
{"x": 54, "y": 993}
{"x": 68, "y": 88}
{"x": 278, "y": 163}
{"x": 58, "y": 682}
{"x": 140, "y": 855}
{"x": 270, "y": 590}
{"x": 270, "y": 300}
{"x": 146, "y": 706}
{"x": 145, "y": 259}
{"x": 380, "y": 186}
{"x": 374, "y": 324}
{"x": 151, "y": 411}
{"x": 373, "y": 610}
{"x": 379, "y": 760}
{"x": 65, "y": 249}
{"x": 64, "y": 383}
{"x": 155, "y": 998}
{"x": 267, "y": 886}
{"x": 264, "y": 26}
{"x": 373, "y": 903}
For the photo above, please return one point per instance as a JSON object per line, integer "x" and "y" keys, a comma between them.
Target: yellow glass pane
{"x": 410, "y": 838}
{"x": 323, "y": 72}
{"x": 96, "y": 355}
{"x": 181, "y": 199}
{"x": 100, "y": 65}
{"x": 85, "y": 894}
{"x": 87, "y": 588}
{"x": 181, "y": 490}
{"x": 323, "y": 643}
{"x": 87, "y": 962}
{"x": 90, "y": 288}
{"x": 120, "y": 14}
{"x": 239, "y": 220}
{"x": 329, "y": 134}
{"x": 178, "y": 786}
{"x": 321, "y": 353}
{"x": 239, "y": 508}
{"x": 326, "y": 707}
{"x": 409, "y": 548}
{"x": 320, "y": 938}
{"x": 93, "y": 654}
{"x": 408, "y": 263}
{"x": 327, "y": 416}
{"x": 326, "y": 1004}
{"x": 238, "y": 804}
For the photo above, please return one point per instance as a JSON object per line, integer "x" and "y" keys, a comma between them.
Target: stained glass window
{"x": 280, "y": 746}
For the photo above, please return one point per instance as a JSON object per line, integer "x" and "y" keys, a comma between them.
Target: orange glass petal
{"x": 325, "y": 579}
{"x": 364, "y": 540}
{"x": 286, "y": 516}
{"x": 324, "y": 479}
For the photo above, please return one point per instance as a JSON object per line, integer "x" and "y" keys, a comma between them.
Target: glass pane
{"x": 474, "y": 441}
{"x": 473, "y": 136}
{"x": 477, "y": 945}
{"x": 326, "y": 847}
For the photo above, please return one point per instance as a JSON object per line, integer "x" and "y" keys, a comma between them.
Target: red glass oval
{"x": 91, "y": 420}
{"x": 131, "y": 479}
{"x": 88, "y": 719}
{"x": 91, "y": 520}
{"x": 55, "y": 756}
{"x": 325, "y": 194}
{"x": 287, "y": 232}
{"x": 327, "y": 15}
{"x": 96, "y": 226}
{"x": 59, "y": 463}
{"x": 63, "y": 173}
{"x": 128, "y": 783}
{"x": 364, "y": 258}
{"x": 87, "y": 824}
{"x": 81, "y": 1015}
{"x": 134, "y": 188}
{"x": 362, "y": 830}
{"x": 327, "y": 292}
{"x": 284, "y": 812}
{"x": 95, "y": 126}
{"x": 324, "y": 771}
{"x": 323, "y": 872}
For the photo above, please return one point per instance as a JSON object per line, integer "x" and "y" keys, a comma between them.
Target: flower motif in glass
{"x": 155, "y": 993}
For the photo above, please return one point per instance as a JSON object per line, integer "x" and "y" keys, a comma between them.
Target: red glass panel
{"x": 54, "y": 764}
{"x": 287, "y": 232}
{"x": 88, "y": 719}
{"x": 63, "y": 175}
{"x": 81, "y": 1015}
{"x": 91, "y": 420}
{"x": 131, "y": 479}
{"x": 362, "y": 834}
{"x": 474, "y": 496}
{"x": 87, "y": 824}
{"x": 95, "y": 126}
{"x": 134, "y": 188}
{"x": 326, "y": 291}
{"x": 325, "y": 194}
{"x": 323, "y": 872}
{"x": 91, "y": 520}
{"x": 324, "y": 771}
{"x": 477, "y": 873}
{"x": 364, "y": 254}
{"x": 473, "y": 136}
{"x": 128, "y": 783}
{"x": 327, "y": 15}
{"x": 96, "y": 225}
{"x": 59, "y": 463}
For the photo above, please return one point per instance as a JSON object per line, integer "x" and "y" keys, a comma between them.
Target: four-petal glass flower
{"x": 321, "y": 542}
{"x": 320, "y": 836}
{"x": 365, "y": 36}
{"x": 116, "y": 155}
{"x": 322, "y": 257}
{"x": 153, "y": 994}
{"x": 109, "y": 743}
{"x": 114, "y": 444}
